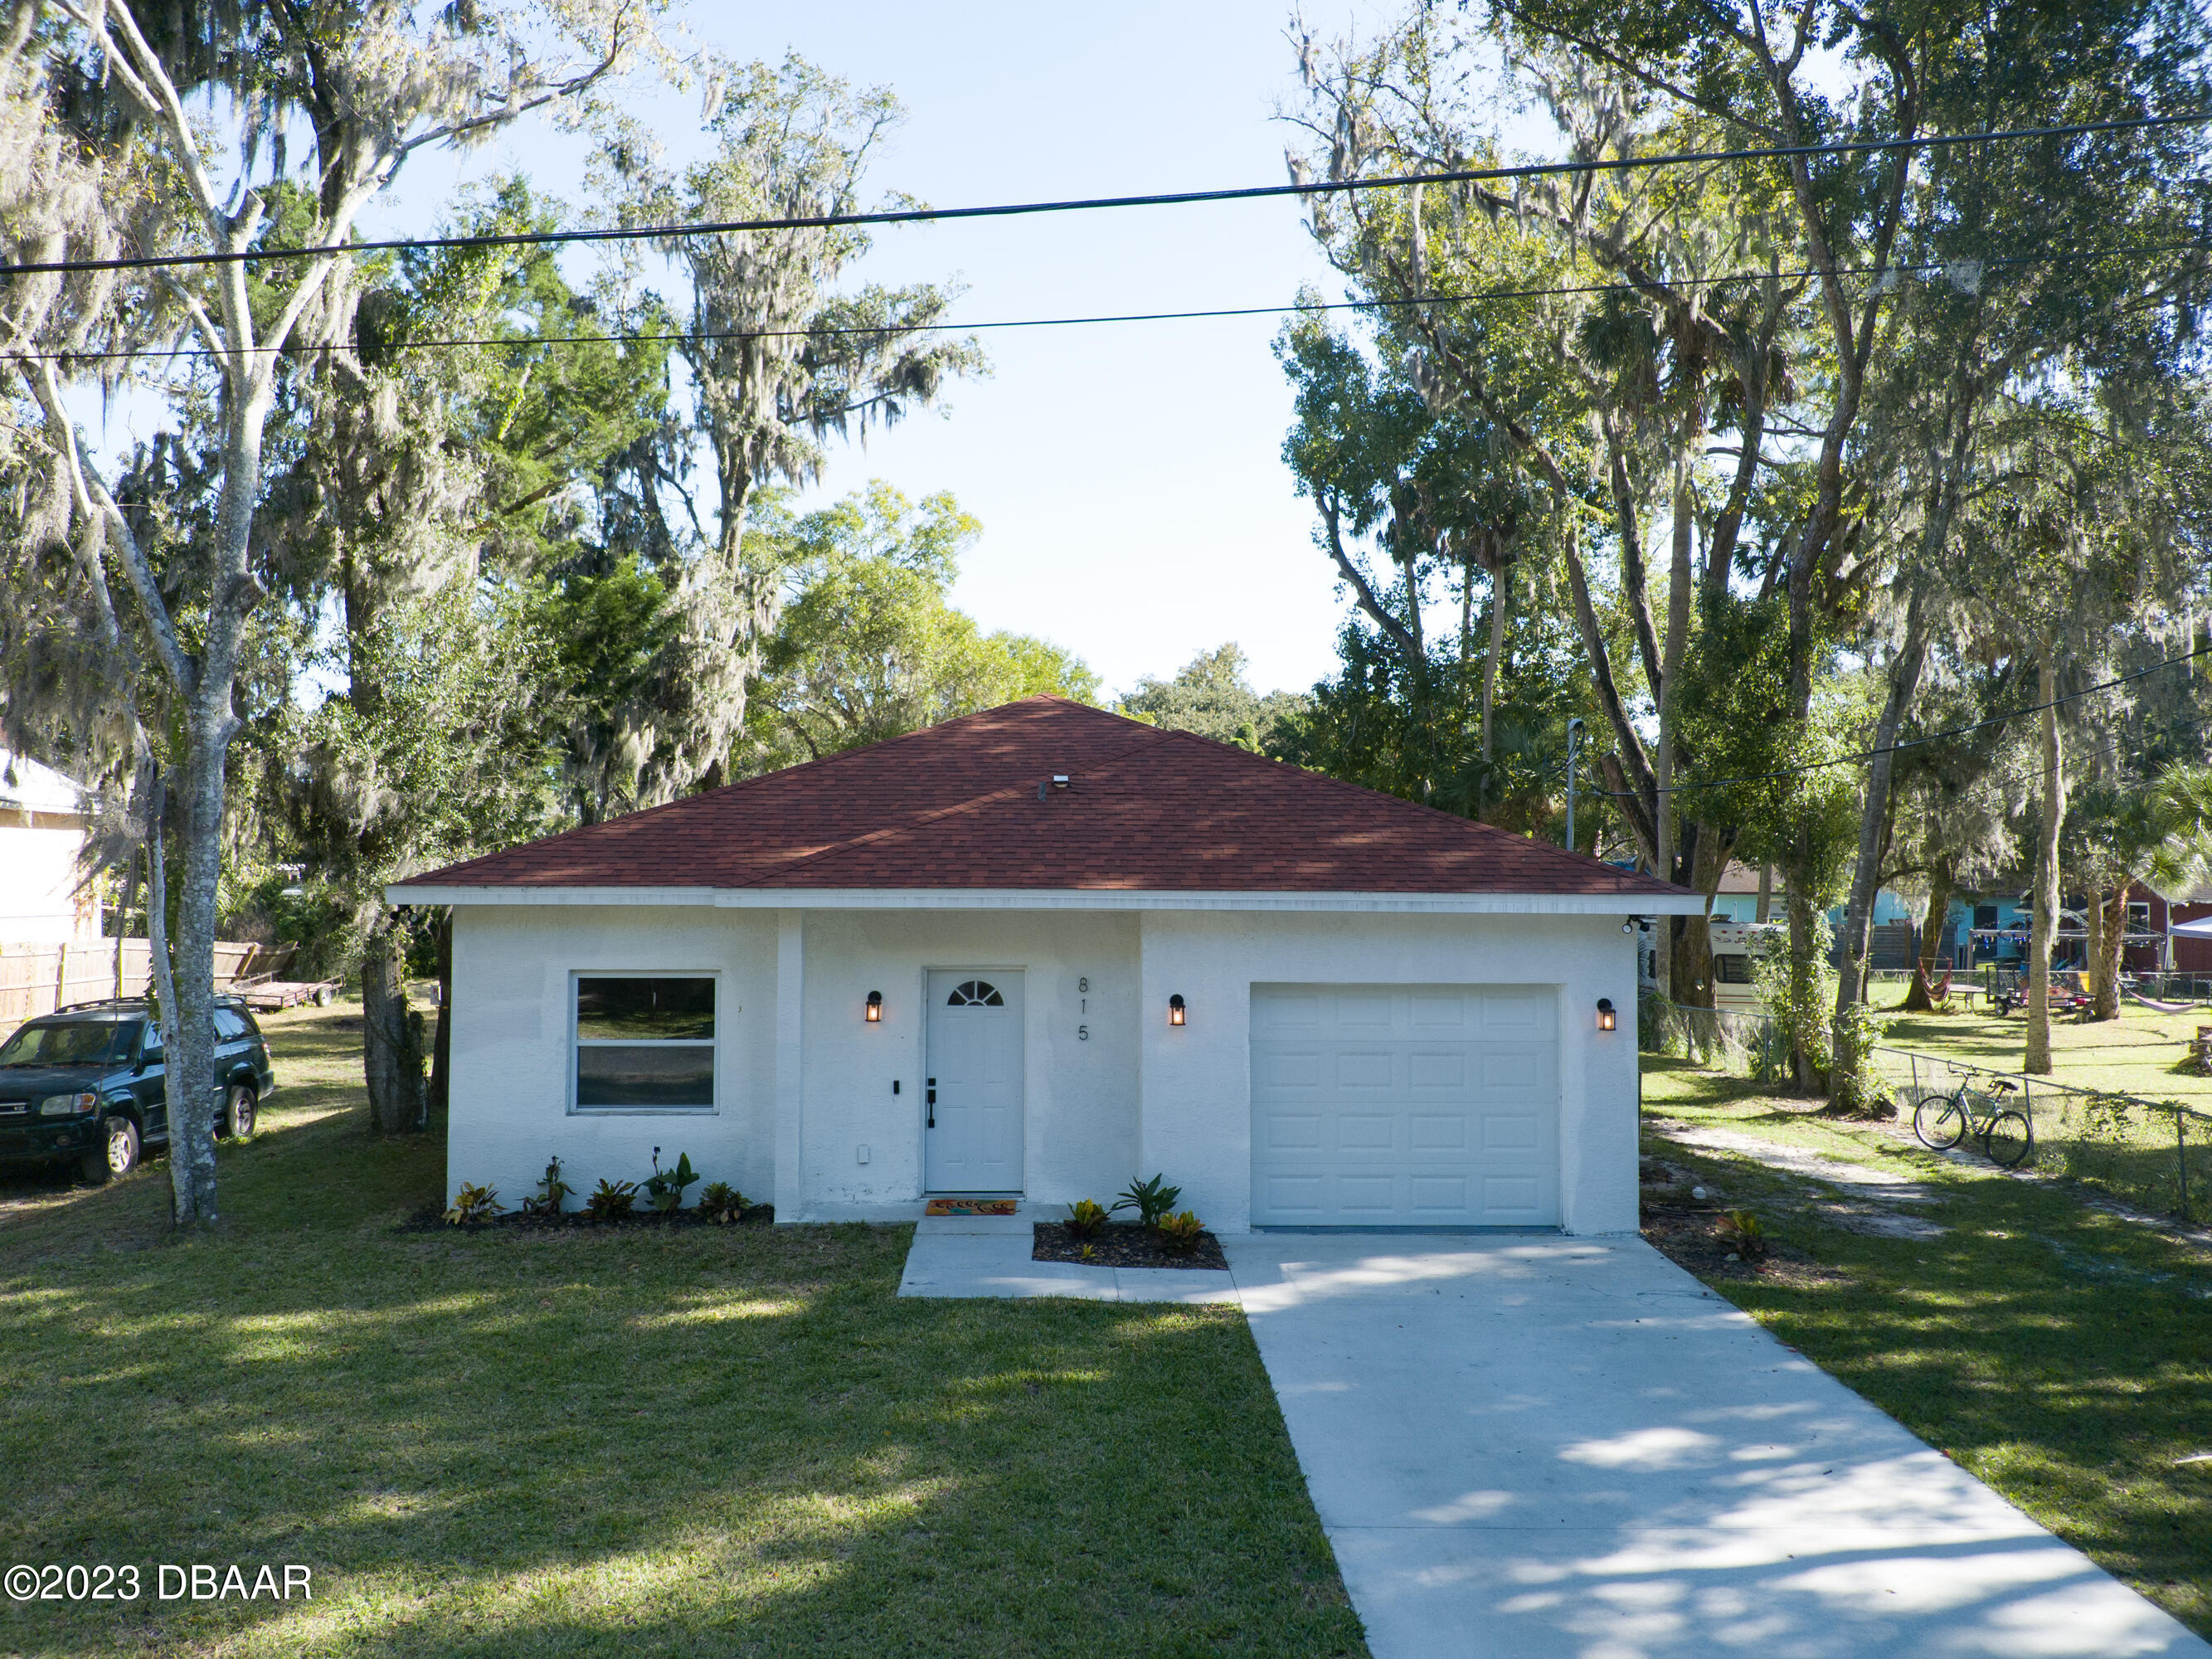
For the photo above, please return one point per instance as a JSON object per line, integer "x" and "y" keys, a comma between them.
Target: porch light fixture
{"x": 875, "y": 1007}
{"x": 1174, "y": 1010}
{"x": 1604, "y": 1013}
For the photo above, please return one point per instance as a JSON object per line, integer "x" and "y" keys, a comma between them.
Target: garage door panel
{"x": 1428, "y": 1067}
{"x": 1432, "y": 1195}
{"x": 1432, "y": 1012}
{"x": 1432, "y": 1105}
{"x": 1290, "y": 1132}
{"x": 1366, "y": 1132}
{"x": 1368, "y": 1069}
{"x": 1367, "y": 1195}
{"x": 1437, "y": 1132}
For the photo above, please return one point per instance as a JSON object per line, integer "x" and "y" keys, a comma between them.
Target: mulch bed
{"x": 431, "y": 1218}
{"x": 1122, "y": 1246}
{"x": 1686, "y": 1231}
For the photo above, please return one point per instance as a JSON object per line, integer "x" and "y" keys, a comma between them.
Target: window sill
{"x": 645, "y": 1111}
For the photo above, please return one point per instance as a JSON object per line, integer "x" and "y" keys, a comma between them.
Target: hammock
{"x": 2163, "y": 1007}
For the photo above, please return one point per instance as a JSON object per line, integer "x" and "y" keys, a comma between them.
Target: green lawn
{"x": 2061, "y": 1353}
{"x": 2141, "y": 1052}
{"x": 716, "y": 1441}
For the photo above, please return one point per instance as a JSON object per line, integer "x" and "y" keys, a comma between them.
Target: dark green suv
{"x": 85, "y": 1085}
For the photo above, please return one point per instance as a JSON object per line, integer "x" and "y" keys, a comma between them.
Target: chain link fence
{"x": 1739, "y": 1041}
{"x": 2154, "y": 1155}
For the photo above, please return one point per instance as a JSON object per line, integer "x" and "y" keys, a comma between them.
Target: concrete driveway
{"x": 1533, "y": 1445}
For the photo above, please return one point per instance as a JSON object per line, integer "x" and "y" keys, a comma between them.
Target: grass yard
{"x": 2141, "y": 1052}
{"x": 2061, "y": 1353}
{"x": 713, "y": 1441}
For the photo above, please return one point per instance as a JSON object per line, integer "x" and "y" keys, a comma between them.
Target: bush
{"x": 552, "y": 1192}
{"x": 1181, "y": 1232}
{"x": 473, "y": 1206}
{"x": 1085, "y": 1217}
{"x": 722, "y": 1203}
{"x": 664, "y": 1188}
{"x": 611, "y": 1199}
{"x": 1801, "y": 1001}
{"x": 1151, "y": 1200}
{"x": 1745, "y": 1231}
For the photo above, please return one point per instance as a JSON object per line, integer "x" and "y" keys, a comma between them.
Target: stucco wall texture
{"x": 806, "y": 1114}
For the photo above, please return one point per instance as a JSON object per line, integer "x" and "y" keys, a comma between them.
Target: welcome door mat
{"x": 970, "y": 1207}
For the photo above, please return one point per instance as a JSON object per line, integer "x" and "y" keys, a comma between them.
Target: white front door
{"x": 1405, "y": 1105}
{"x": 974, "y": 1065}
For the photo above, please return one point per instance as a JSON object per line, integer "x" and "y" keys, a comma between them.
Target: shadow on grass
{"x": 709, "y": 1442}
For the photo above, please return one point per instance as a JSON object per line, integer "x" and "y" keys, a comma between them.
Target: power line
{"x": 1092, "y": 203}
{"x": 1918, "y": 742}
{"x": 1301, "y": 307}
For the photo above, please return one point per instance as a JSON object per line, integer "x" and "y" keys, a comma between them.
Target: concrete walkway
{"x": 1524, "y": 1445}
{"x": 988, "y": 1256}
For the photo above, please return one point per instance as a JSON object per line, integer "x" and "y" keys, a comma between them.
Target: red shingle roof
{"x": 956, "y": 806}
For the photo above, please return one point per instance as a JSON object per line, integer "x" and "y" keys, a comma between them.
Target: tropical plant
{"x": 1085, "y": 1217}
{"x": 1744, "y": 1230}
{"x": 611, "y": 1199}
{"x": 473, "y": 1206}
{"x": 664, "y": 1188}
{"x": 1181, "y": 1232}
{"x": 1151, "y": 1200}
{"x": 722, "y": 1203}
{"x": 552, "y": 1192}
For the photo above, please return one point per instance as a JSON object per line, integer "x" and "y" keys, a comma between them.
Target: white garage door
{"x": 1405, "y": 1105}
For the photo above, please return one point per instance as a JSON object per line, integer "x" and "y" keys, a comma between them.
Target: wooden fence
{"x": 37, "y": 979}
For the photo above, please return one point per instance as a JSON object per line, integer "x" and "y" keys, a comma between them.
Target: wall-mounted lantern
{"x": 1604, "y": 1013}
{"x": 875, "y": 1007}
{"x": 1174, "y": 1010}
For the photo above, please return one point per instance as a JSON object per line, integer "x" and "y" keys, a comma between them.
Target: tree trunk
{"x": 1489, "y": 661}
{"x": 2112, "y": 948}
{"x": 1920, "y": 1000}
{"x": 1874, "y": 821}
{"x": 1765, "y": 910}
{"x": 1801, "y": 979}
{"x": 391, "y": 1041}
{"x": 1693, "y": 947}
{"x": 2038, "y": 1058}
{"x": 188, "y": 1074}
{"x": 2092, "y": 953}
{"x": 441, "y": 1047}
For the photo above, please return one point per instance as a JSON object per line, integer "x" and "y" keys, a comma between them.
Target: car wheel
{"x": 238, "y": 1106}
{"x": 322, "y": 997}
{"x": 116, "y": 1153}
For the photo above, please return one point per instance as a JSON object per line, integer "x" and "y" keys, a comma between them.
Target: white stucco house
{"x": 1041, "y": 950}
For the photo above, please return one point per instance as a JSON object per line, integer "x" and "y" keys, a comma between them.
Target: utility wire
{"x": 1916, "y": 743}
{"x": 1297, "y": 308}
{"x": 1092, "y": 203}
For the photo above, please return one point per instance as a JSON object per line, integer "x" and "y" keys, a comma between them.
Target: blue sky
{"x": 1129, "y": 478}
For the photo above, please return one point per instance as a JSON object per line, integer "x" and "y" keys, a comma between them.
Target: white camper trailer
{"x": 1736, "y": 945}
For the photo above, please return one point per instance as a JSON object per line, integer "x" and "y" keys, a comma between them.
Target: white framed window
{"x": 641, "y": 1042}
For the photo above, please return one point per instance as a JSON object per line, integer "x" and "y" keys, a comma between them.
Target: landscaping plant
{"x": 722, "y": 1203}
{"x": 552, "y": 1192}
{"x": 473, "y": 1206}
{"x": 1744, "y": 1232}
{"x": 611, "y": 1199}
{"x": 1181, "y": 1232}
{"x": 1151, "y": 1200}
{"x": 664, "y": 1188}
{"x": 1085, "y": 1218}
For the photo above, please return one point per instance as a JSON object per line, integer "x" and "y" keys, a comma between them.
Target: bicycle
{"x": 2007, "y": 1138}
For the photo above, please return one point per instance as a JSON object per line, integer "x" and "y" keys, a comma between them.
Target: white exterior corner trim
{"x": 1056, "y": 898}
